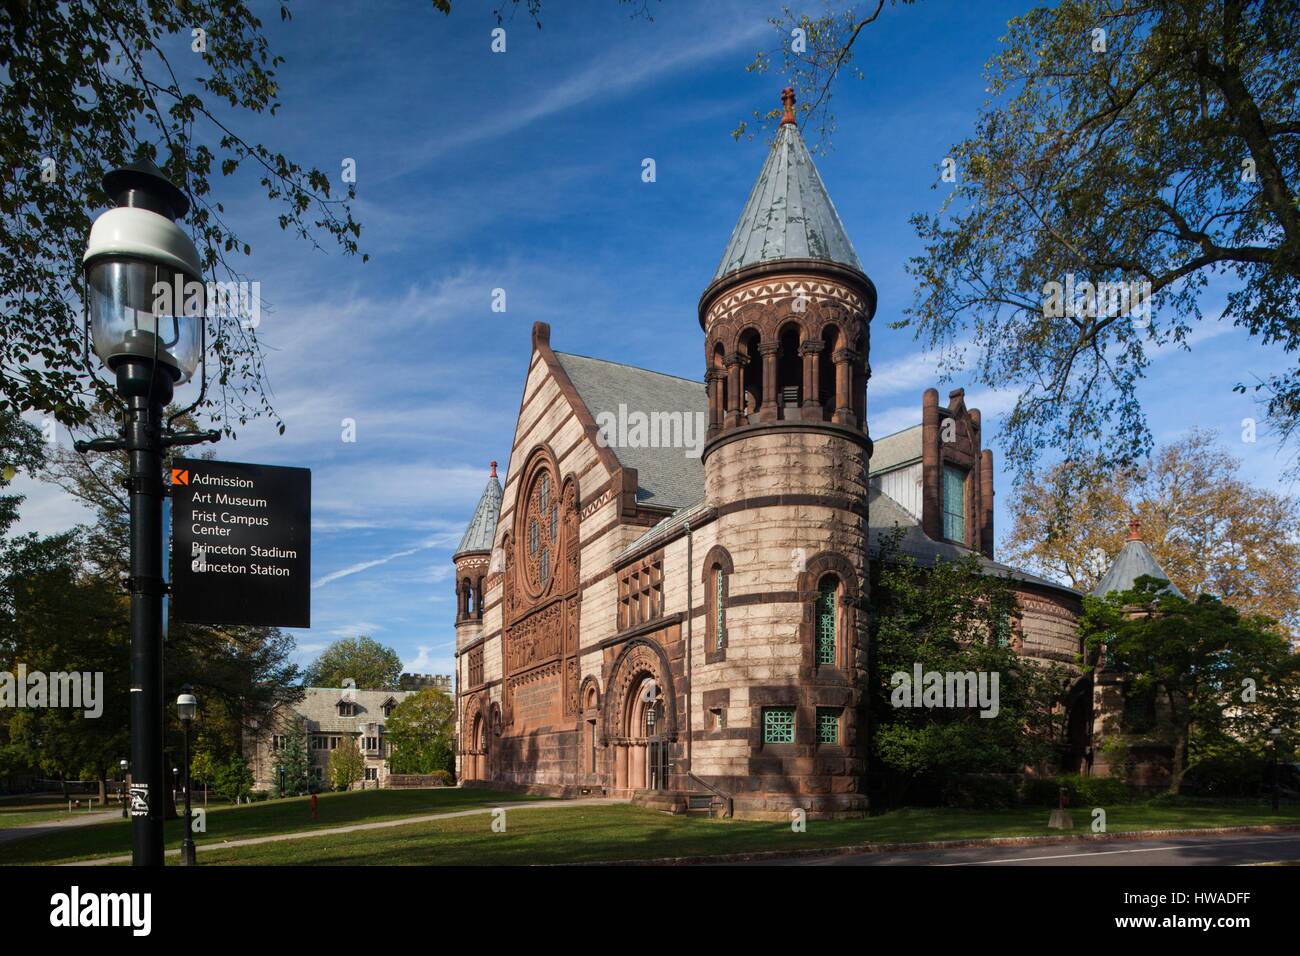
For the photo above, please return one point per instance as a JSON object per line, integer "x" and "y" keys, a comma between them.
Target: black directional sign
{"x": 241, "y": 543}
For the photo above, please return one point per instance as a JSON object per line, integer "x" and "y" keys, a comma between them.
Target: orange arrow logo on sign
{"x": 180, "y": 476}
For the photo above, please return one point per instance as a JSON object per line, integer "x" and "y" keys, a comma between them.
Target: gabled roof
{"x": 789, "y": 214}
{"x": 667, "y": 477}
{"x": 483, "y": 526}
{"x": 319, "y": 707}
{"x": 1133, "y": 561}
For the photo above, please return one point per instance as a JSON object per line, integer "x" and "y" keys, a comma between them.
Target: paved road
{"x": 1227, "y": 849}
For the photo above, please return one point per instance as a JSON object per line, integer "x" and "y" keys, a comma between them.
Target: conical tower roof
{"x": 789, "y": 214}
{"x": 483, "y": 526}
{"x": 1133, "y": 561}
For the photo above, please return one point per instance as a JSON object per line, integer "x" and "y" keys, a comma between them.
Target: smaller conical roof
{"x": 483, "y": 526}
{"x": 1133, "y": 561}
{"x": 789, "y": 214}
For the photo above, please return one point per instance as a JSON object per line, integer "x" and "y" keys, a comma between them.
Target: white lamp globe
{"x": 144, "y": 296}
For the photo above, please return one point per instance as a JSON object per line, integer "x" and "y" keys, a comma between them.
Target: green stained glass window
{"x": 828, "y": 725}
{"x": 1002, "y": 631}
{"x": 778, "y": 725}
{"x": 954, "y": 503}
{"x": 719, "y": 609}
{"x": 826, "y": 621}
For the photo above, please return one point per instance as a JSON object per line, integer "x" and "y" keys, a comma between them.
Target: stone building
{"x": 668, "y": 597}
{"x": 438, "y": 682}
{"x": 327, "y": 716}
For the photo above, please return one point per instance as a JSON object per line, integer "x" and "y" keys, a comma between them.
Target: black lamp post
{"x": 187, "y": 705}
{"x": 1276, "y": 734}
{"x": 135, "y": 253}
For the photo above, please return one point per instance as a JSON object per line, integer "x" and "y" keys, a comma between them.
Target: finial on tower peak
{"x": 494, "y": 469}
{"x": 1134, "y": 529}
{"x": 787, "y": 100}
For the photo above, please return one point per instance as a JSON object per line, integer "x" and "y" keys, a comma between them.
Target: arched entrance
{"x": 647, "y": 738}
{"x": 641, "y": 719}
{"x": 474, "y": 753}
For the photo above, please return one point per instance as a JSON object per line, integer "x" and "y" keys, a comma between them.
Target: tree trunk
{"x": 1180, "y": 759}
{"x": 102, "y": 777}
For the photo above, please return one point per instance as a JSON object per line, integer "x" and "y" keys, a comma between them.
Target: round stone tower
{"x": 786, "y": 322}
{"x": 472, "y": 559}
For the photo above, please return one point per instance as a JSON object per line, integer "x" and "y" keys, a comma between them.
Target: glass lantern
{"x": 144, "y": 298}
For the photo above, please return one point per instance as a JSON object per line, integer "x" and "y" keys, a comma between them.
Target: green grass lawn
{"x": 255, "y": 819}
{"x": 620, "y": 832}
{"x": 548, "y": 834}
{"x": 20, "y": 812}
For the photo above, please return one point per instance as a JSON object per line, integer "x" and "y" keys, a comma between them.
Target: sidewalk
{"x": 355, "y": 827}
{"x": 25, "y": 831}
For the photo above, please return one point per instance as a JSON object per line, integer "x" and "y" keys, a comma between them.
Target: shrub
{"x": 979, "y": 791}
{"x": 1081, "y": 791}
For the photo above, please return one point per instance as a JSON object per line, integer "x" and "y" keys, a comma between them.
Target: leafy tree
{"x": 955, "y": 617}
{"x": 234, "y": 781}
{"x": 54, "y": 617}
{"x": 20, "y": 450}
{"x": 1152, "y": 142}
{"x": 1219, "y": 673}
{"x": 291, "y": 760}
{"x": 346, "y": 765}
{"x": 362, "y": 659}
{"x": 1211, "y": 531}
{"x": 1157, "y": 143}
{"x": 421, "y": 731}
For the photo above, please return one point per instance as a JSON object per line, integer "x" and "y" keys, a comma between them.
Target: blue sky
{"x": 522, "y": 171}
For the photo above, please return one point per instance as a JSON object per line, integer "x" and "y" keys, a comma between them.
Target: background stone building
{"x": 328, "y": 715}
{"x": 638, "y": 614}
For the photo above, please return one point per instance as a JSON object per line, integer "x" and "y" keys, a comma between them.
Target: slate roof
{"x": 893, "y": 451}
{"x": 483, "y": 526}
{"x": 668, "y": 477}
{"x": 789, "y": 214}
{"x": 1134, "y": 560}
{"x": 319, "y": 707}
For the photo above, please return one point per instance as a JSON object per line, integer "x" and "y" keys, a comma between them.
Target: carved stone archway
{"x": 640, "y": 716}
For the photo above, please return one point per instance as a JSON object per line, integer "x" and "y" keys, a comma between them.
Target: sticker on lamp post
{"x": 241, "y": 543}
{"x": 139, "y": 799}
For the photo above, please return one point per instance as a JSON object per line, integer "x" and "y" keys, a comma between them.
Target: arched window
{"x": 826, "y": 620}
{"x": 752, "y": 386}
{"x": 719, "y": 607}
{"x": 789, "y": 372}
{"x": 826, "y": 371}
{"x": 467, "y": 596}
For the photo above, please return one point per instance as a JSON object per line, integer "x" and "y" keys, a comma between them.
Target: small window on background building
{"x": 828, "y": 725}
{"x": 826, "y": 627}
{"x": 778, "y": 725}
{"x": 715, "y": 718}
{"x": 954, "y": 503}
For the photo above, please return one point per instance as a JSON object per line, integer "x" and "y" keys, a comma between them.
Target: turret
{"x": 786, "y": 322}
{"x": 473, "y": 559}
